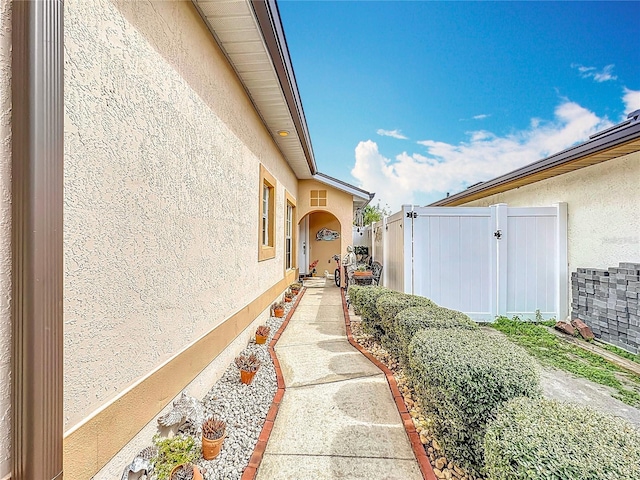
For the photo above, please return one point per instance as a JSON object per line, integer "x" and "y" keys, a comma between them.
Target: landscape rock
{"x": 583, "y": 329}
{"x": 565, "y": 327}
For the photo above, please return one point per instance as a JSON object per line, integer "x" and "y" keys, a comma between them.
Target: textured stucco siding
{"x": 5, "y": 237}
{"x": 162, "y": 154}
{"x": 603, "y": 203}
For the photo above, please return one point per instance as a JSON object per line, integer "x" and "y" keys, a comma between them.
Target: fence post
{"x": 499, "y": 215}
{"x": 562, "y": 266}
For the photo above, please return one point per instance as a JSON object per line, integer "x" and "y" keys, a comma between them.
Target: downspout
{"x": 37, "y": 246}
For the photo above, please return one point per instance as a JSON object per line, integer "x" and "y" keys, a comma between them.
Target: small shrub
{"x": 213, "y": 428}
{"x": 411, "y": 320}
{"x": 249, "y": 363}
{"x": 389, "y": 306}
{"x": 367, "y": 298}
{"x": 461, "y": 377}
{"x": 173, "y": 452}
{"x": 549, "y": 440}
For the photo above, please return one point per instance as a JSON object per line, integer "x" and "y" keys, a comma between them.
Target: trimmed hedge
{"x": 461, "y": 378}
{"x": 410, "y": 321}
{"x": 352, "y": 293}
{"x": 366, "y": 303}
{"x": 389, "y": 306}
{"x": 545, "y": 440}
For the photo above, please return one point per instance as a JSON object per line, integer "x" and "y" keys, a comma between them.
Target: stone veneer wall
{"x": 607, "y": 301}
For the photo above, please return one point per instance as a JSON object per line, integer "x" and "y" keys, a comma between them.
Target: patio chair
{"x": 376, "y": 269}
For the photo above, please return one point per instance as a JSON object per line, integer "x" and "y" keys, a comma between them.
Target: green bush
{"x": 389, "y": 306}
{"x": 367, "y": 298}
{"x": 548, "y": 440}
{"x": 352, "y": 293}
{"x": 411, "y": 320}
{"x": 461, "y": 377}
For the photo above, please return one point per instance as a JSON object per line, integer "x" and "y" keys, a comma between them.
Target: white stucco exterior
{"x": 5, "y": 237}
{"x": 603, "y": 204}
{"x": 162, "y": 155}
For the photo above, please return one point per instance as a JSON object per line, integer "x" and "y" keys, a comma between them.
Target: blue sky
{"x": 412, "y": 100}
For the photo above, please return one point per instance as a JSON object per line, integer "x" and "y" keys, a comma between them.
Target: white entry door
{"x": 303, "y": 245}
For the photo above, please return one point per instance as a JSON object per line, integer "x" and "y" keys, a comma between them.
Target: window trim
{"x": 290, "y": 201}
{"x": 268, "y": 251}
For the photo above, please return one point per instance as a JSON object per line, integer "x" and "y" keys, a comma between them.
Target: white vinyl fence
{"x": 484, "y": 261}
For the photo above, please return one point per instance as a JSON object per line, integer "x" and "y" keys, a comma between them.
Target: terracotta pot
{"x": 211, "y": 448}
{"x": 175, "y": 469}
{"x": 295, "y": 291}
{"x": 261, "y": 339}
{"x": 246, "y": 377}
{"x": 287, "y": 299}
{"x": 278, "y": 312}
{"x": 196, "y": 473}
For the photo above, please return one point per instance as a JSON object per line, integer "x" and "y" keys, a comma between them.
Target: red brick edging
{"x": 251, "y": 470}
{"x": 418, "y": 449}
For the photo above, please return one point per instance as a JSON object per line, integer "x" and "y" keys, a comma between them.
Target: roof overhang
{"x": 250, "y": 34}
{"x": 612, "y": 143}
{"x": 361, "y": 198}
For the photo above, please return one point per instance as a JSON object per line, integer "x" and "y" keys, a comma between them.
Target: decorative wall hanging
{"x": 324, "y": 234}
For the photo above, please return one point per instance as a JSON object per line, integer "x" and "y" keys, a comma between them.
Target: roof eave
{"x": 598, "y": 144}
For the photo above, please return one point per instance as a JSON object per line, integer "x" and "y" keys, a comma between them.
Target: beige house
{"x": 160, "y": 192}
{"x": 598, "y": 180}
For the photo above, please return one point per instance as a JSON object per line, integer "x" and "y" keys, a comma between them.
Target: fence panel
{"x": 453, "y": 258}
{"x": 394, "y": 252}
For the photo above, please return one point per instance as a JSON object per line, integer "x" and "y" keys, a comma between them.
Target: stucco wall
{"x": 603, "y": 207}
{"x": 162, "y": 154}
{"x": 339, "y": 204}
{"x": 324, "y": 250}
{"x": 5, "y": 237}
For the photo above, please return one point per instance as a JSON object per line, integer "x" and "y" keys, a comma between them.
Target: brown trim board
{"x": 90, "y": 445}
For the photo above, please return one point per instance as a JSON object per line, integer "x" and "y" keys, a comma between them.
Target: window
{"x": 266, "y": 247}
{"x": 290, "y": 233}
{"x": 318, "y": 198}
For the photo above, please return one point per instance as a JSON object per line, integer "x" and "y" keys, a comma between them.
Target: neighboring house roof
{"x": 611, "y": 143}
{"x": 250, "y": 34}
{"x": 361, "y": 198}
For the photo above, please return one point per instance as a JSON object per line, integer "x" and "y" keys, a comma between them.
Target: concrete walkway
{"x": 337, "y": 418}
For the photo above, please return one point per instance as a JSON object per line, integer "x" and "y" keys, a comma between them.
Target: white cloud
{"x": 482, "y": 116}
{"x": 427, "y": 176}
{"x": 391, "y": 133}
{"x": 631, "y": 100}
{"x": 604, "y": 75}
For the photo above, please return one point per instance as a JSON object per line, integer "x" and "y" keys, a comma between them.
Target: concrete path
{"x": 337, "y": 418}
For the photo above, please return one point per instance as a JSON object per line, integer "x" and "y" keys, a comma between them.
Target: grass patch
{"x": 554, "y": 352}
{"x": 620, "y": 352}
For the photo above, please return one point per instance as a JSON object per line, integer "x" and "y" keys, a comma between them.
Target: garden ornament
{"x": 141, "y": 464}
{"x": 186, "y": 411}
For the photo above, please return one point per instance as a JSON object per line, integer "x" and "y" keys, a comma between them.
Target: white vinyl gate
{"x": 484, "y": 261}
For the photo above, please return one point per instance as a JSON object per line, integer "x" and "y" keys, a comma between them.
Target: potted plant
{"x": 213, "y": 435}
{"x": 295, "y": 288}
{"x": 248, "y": 365}
{"x": 186, "y": 471}
{"x": 277, "y": 310}
{"x": 262, "y": 332}
{"x": 362, "y": 271}
{"x": 312, "y": 267}
{"x": 288, "y": 296}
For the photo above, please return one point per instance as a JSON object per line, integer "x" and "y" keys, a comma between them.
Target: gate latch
{"x": 498, "y": 234}
{"x": 412, "y": 214}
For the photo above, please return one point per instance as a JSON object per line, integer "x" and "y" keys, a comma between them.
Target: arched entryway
{"x": 319, "y": 238}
